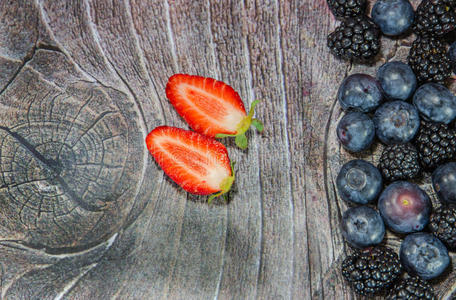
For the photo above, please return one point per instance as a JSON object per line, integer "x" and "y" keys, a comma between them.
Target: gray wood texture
{"x": 85, "y": 213}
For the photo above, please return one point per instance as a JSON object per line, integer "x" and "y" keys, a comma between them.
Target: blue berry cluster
{"x": 433, "y": 22}
{"x": 391, "y": 108}
{"x": 358, "y": 36}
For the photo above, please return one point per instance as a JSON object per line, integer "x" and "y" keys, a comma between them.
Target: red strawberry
{"x": 199, "y": 164}
{"x": 211, "y": 107}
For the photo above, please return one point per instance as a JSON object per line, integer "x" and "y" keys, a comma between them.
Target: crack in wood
{"x": 92, "y": 125}
{"x": 27, "y": 58}
{"x": 55, "y": 166}
{"x": 44, "y": 46}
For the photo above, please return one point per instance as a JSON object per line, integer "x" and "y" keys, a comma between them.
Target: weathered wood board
{"x": 85, "y": 213}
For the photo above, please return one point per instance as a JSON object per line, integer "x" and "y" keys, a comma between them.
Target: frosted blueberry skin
{"x": 360, "y": 92}
{"x": 359, "y": 182}
{"x": 397, "y": 80}
{"x": 424, "y": 255}
{"x": 362, "y": 227}
{"x": 404, "y": 207}
{"x": 444, "y": 182}
{"x": 394, "y": 17}
{"x": 435, "y": 103}
{"x": 396, "y": 122}
{"x": 356, "y": 131}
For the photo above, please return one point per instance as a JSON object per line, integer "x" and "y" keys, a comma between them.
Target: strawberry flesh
{"x": 209, "y": 106}
{"x": 199, "y": 164}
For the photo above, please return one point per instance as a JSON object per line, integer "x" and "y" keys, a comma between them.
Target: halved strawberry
{"x": 211, "y": 107}
{"x": 199, "y": 164}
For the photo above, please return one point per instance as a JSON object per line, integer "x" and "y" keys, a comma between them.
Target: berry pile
{"x": 357, "y": 38}
{"x": 409, "y": 109}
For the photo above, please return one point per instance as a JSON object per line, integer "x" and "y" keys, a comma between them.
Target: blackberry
{"x": 435, "y": 17}
{"x": 372, "y": 270}
{"x": 412, "y": 288}
{"x": 429, "y": 61}
{"x": 399, "y": 162}
{"x": 436, "y": 144}
{"x": 357, "y": 38}
{"x": 347, "y": 8}
{"x": 443, "y": 225}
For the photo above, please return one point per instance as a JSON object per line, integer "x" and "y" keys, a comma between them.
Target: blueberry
{"x": 359, "y": 182}
{"x": 397, "y": 80}
{"x": 360, "y": 92}
{"x": 394, "y": 17}
{"x": 424, "y": 255}
{"x": 452, "y": 55}
{"x": 404, "y": 207}
{"x": 363, "y": 226}
{"x": 356, "y": 131}
{"x": 435, "y": 103}
{"x": 396, "y": 122}
{"x": 444, "y": 182}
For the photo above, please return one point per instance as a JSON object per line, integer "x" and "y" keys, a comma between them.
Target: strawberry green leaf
{"x": 222, "y": 135}
{"x": 258, "y": 125}
{"x": 241, "y": 141}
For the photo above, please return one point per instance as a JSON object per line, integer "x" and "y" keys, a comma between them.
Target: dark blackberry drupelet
{"x": 357, "y": 38}
{"x": 412, "y": 288}
{"x": 436, "y": 144}
{"x": 443, "y": 225}
{"x": 399, "y": 162}
{"x": 429, "y": 60}
{"x": 435, "y": 17}
{"x": 347, "y": 8}
{"x": 371, "y": 270}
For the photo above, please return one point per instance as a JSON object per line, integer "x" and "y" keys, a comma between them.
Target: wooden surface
{"x": 85, "y": 213}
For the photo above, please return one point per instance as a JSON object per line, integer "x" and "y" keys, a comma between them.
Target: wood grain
{"x": 85, "y": 211}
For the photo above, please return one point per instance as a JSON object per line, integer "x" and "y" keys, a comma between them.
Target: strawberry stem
{"x": 252, "y": 108}
{"x": 243, "y": 126}
{"x": 225, "y": 186}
